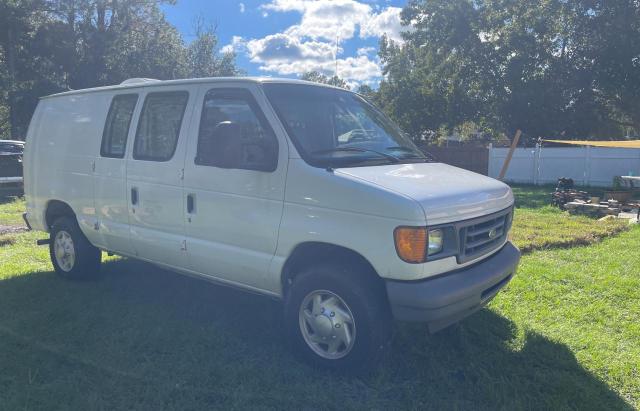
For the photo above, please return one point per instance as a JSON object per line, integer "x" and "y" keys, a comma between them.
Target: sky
{"x": 285, "y": 38}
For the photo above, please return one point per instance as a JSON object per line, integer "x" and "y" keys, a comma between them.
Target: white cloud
{"x": 237, "y": 45}
{"x": 283, "y": 48}
{"x": 325, "y": 19}
{"x": 284, "y": 54}
{"x": 242, "y": 8}
{"x": 310, "y": 44}
{"x": 363, "y": 51}
{"x": 386, "y": 22}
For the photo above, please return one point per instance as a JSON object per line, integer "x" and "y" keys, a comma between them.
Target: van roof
{"x": 145, "y": 82}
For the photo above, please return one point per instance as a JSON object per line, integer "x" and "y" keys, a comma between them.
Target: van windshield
{"x": 338, "y": 128}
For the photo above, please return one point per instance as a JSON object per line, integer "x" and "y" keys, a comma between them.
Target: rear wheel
{"x": 72, "y": 255}
{"x": 337, "y": 318}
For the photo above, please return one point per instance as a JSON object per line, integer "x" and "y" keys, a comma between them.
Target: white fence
{"x": 589, "y": 166}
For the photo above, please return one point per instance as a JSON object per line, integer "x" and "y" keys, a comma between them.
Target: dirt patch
{"x": 11, "y": 229}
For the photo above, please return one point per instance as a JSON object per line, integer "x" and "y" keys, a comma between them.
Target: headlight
{"x": 436, "y": 241}
{"x": 414, "y": 244}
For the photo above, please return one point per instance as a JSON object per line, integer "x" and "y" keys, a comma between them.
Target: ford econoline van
{"x": 302, "y": 192}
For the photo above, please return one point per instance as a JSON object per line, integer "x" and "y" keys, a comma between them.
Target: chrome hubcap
{"x": 64, "y": 251}
{"x": 327, "y": 324}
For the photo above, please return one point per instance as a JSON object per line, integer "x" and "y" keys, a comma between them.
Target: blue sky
{"x": 284, "y": 38}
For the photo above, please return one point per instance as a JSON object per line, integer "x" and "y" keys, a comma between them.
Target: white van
{"x": 302, "y": 192}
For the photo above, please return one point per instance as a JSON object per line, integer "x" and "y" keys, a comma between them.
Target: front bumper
{"x": 449, "y": 298}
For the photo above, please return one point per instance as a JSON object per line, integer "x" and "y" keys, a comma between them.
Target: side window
{"x": 159, "y": 125}
{"x": 234, "y": 133}
{"x": 116, "y": 128}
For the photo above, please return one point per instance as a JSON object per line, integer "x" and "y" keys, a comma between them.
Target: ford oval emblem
{"x": 493, "y": 233}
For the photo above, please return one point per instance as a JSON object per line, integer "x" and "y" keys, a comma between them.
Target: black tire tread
{"x": 88, "y": 257}
{"x": 369, "y": 305}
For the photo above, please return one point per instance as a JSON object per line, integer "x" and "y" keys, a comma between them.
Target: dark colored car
{"x": 11, "y": 161}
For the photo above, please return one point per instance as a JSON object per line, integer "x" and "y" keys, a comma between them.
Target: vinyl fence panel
{"x": 591, "y": 166}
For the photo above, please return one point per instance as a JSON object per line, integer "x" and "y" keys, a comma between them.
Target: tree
{"x": 202, "y": 58}
{"x": 18, "y": 19}
{"x": 318, "y": 77}
{"x": 611, "y": 36}
{"x": 548, "y": 67}
{"x": 47, "y": 46}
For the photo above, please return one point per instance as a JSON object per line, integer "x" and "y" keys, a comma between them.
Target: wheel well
{"x": 55, "y": 210}
{"x": 307, "y": 254}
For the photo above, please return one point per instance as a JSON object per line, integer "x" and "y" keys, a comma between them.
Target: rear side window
{"x": 116, "y": 128}
{"x": 234, "y": 133}
{"x": 159, "y": 125}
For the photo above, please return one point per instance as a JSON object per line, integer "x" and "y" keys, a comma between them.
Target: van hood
{"x": 446, "y": 193}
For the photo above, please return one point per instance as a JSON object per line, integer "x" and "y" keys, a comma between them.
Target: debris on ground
{"x": 566, "y": 197}
{"x": 12, "y": 229}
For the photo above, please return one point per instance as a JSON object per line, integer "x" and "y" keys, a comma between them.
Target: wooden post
{"x": 507, "y": 160}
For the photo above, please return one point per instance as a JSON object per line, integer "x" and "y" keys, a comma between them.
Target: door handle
{"x": 134, "y": 195}
{"x": 191, "y": 203}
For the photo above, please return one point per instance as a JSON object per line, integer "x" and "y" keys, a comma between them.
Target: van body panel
{"x": 335, "y": 208}
{"x": 232, "y": 232}
{"x": 156, "y": 219}
{"x": 110, "y": 192}
{"x": 239, "y": 226}
{"x": 446, "y": 193}
{"x": 67, "y": 140}
{"x": 34, "y": 209}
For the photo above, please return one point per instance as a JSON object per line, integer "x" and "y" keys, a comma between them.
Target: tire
{"x": 313, "y": 332}
{"x": 72, "y": 255}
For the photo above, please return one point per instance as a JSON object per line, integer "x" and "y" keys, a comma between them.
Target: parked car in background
{"x": 298, "y": 191}
{"x": 11, "y": 161}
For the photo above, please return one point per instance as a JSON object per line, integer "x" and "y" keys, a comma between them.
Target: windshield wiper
{"x": 389, "y": 157}
{"x": 416, "y": 156}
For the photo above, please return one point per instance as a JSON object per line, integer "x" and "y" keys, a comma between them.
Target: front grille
{"x": 482, "y": 235}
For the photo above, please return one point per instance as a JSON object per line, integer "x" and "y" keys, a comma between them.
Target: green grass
{"x": 563, "y": 335}
{"x": 539, "y": 226}
{"x": 11, "y": 207}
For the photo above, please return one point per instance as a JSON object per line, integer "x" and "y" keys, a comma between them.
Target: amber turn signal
{"x": 411, "y": 244}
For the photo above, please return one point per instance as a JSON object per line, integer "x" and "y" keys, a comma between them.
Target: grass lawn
{"x": 539, "y": 226}
{"x": 11, "y": 207}
{"x": 563, "y": 335}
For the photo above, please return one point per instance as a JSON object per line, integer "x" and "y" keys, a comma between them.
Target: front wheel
{"x": 337, "y": 318}
{"x": 72, "y": 255}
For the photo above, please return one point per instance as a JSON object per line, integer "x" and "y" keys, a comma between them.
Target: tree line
{"x": 478, "y": 68}
{"x": 48, "y": 46}
{"x": 484, "y": 68}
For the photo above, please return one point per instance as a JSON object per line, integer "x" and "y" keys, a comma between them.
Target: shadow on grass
{"x": 145, "y": 338}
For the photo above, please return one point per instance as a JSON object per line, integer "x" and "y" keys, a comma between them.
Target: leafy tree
{"x": 18, "y": 21}
{"x": 48, "y": 46}
{"x": 202, "y": 55}
{"x": 548, "y": 67}
{"x": 318, "y": 77}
